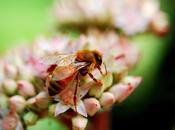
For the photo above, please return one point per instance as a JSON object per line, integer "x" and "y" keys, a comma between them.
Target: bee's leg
{"x": 76, "y": 91}
{"x": 100, "y": 70}
{"x": 97, "y": 81}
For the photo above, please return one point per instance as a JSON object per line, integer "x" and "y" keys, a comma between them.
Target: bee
{"x": 68, "y": 70}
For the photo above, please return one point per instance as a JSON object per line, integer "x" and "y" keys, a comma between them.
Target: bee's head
{"x": 98, "y": 58}
{"x": 99, "y": 61}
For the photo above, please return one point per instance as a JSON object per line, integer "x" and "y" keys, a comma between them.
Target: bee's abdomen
{"x": 54, "y": 88}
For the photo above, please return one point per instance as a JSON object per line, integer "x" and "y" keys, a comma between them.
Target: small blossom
{"x": 67, "y": 103}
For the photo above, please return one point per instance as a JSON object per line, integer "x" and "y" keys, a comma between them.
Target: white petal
{"x": 81, "y": 109}
{"x": 60, "y": 108}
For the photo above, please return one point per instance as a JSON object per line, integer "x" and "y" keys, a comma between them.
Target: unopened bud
{"x": 79, "y": 123}
{"x": 30, "y": 118}
{"x": 19, "y": 102}
{"x": 107, "y": 100}
{"x": 92, "y": 105}
{"x": 42, "y": 100}
{"x": 10, "y": 71}
{"x": 25, "y": 88}
{"x": 9, "y": 86}
{"x": 160, "y": 24}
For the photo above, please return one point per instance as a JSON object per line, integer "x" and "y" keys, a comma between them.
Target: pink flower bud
{"x": 19, "y": 102}
{"x": 9, "y": 86}
{"x": 25, "y": 88}
{"x": 121, "y": 91}
{"x": 107, "y": 100}
{"x": 92, "y": 105}
{"x": 79, "y": 123}
{"x": 131, "y": 80}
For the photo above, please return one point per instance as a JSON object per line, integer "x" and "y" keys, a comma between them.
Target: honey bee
{"x": 66, "y": 70}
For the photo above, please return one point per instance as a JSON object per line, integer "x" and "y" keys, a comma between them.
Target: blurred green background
{"x": 24, "y": 20}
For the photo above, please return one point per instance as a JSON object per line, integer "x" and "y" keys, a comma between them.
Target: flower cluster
{"x": 136, "y": 16}
{"x": 23, "y": 77}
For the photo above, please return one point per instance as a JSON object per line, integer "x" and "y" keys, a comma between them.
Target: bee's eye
{"x": 98, "y": 59}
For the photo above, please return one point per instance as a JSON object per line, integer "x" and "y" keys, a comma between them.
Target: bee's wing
{"x": 66, "y": 72}
{"x": 58, "y": 59}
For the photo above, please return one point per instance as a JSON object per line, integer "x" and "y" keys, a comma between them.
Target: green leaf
{"x": 48, "y": 124}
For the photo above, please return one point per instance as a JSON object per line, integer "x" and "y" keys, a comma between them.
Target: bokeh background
{"x": 150, "y": 107}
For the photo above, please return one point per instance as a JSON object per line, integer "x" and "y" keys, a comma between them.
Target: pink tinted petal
{"x": 60, "y": 108}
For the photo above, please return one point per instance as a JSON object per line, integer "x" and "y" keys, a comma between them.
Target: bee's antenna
{"x": 100, "y": 70}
